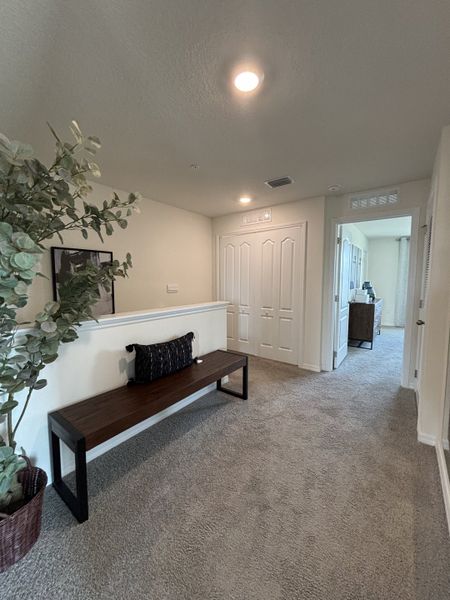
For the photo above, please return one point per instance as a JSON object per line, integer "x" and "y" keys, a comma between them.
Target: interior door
{"x": 262, "y": 277}
{"x": 424, "y": 287}
{"x": 279, "y": 281}
{"x": 341, "y": 299}
{"x": 236, "y": 255}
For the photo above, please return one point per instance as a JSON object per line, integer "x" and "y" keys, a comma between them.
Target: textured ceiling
{"x": 355, "y": 91}
{"x": 400, "y": 226}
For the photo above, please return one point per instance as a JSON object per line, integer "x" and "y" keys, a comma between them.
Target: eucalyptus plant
{"x": 38, "y": 203}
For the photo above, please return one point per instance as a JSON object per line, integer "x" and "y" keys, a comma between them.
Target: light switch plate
{"x": 172, "y": 288}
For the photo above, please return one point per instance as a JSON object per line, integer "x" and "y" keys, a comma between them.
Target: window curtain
{"x": 402, "y": 282}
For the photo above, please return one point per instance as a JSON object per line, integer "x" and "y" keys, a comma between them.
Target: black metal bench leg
{"x": 245, "y": 382}
{"x": 78, "y": 504}
{"x": 244, "y": 394}
{"x": 55, "y": 456}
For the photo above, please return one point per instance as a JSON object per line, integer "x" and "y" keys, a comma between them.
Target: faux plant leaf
{"x": 23, "y": 260}
{"x": 24, "y": 242}
{"x": 42, "y": 202}
{"x": 6, "y": 230}
{"x": 51, "y": 307}
{"x": 41, "y": 383}
{"x": 48, "y": 326}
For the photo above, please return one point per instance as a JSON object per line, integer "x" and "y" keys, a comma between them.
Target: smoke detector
{"x": 335, "y": 188}
{"x": 279, "y": 182}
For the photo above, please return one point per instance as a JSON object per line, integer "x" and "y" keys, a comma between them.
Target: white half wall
{"x": 98, "y": 362}
{"x": 167, "y": 244}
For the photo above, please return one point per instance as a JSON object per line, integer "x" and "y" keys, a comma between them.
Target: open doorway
{"x": 371, "y": 285}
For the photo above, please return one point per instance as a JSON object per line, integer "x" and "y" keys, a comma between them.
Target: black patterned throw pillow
{"x": 157, "y": 360}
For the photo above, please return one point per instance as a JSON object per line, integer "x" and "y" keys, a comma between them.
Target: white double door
{"x": 262, "y": 276}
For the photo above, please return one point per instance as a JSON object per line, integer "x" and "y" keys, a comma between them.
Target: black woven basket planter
{"x": 20, "y": 530}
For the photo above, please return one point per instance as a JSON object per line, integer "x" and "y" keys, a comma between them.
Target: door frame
{"x": 303, "y": 225}
{"x": 413, "y": 293}
{"x": 337, "y": 292}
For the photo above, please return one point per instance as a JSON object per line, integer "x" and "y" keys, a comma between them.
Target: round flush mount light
{"x": 245, "y": 199}
{"x": 247, "y": 81}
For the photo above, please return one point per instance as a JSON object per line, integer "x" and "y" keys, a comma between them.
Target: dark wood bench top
{"x": 101, "y": 417}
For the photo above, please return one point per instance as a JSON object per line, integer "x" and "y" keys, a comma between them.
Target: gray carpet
{"x": 313, "y": 488}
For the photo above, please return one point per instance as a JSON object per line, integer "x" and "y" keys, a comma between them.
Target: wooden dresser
{"x": 365, "y": 321}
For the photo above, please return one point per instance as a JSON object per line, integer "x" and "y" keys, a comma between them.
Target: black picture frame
{"x": 106, "y": 305}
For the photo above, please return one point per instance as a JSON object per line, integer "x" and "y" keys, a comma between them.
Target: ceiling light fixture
{"x": 246, "y": 81}
{"x": 245, "y": 199}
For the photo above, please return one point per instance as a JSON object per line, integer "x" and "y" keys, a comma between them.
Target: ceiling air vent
{"x": 276, "y": 183}
{"x": 371, "y": 201}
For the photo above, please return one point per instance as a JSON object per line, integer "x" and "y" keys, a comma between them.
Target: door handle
{"x": 420, "y": 322}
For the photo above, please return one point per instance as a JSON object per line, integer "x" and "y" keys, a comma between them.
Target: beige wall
{"x": 168, "y": 245}
{"x": 312, "y": 212}
{"x": 382, "y": 272}
{"x": 432, "y": 376}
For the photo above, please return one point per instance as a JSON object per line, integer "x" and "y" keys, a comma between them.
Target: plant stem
{"x": 30, "y": 391}
{"x": 9, "y": 426}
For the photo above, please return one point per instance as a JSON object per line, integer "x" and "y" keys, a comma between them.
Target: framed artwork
{"x": 67, "y": 260}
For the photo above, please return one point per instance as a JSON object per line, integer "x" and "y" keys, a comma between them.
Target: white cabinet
{"x": 262, "y": 276}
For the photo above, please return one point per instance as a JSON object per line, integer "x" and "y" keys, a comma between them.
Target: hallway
{"x": 314, "y": 488}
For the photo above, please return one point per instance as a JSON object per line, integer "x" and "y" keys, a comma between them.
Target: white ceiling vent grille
{"x": 371, "y": 201}
{"x": 276, "y": 183}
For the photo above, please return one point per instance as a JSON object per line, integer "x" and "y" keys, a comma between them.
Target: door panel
{"x": 244, "y": 274}
{"x": 279, "y": 280}
{"x": 285, "y": 342}
{"x": 236, "y": 287}
{"x": 426, "y": 265}
{"x": 342, "y": 307}
{"x": 244, "y": 327}
{"x": 266, "y": 335}
{"x": 267, "y": 274}
{"x": 287, "y": 273}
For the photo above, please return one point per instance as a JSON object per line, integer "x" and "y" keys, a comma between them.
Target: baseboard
{"x": 426, "y": 438}
{"x": 68, "y": 462}
{"x": 308, "y": 367}
{"x": 445, "y": 481}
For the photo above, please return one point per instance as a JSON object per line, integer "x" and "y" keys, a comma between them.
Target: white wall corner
{"x": 426, "y": 438}
{"x": 445, "y": 481}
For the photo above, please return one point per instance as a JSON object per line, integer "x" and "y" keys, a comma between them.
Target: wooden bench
{"x": 84, "y": 425}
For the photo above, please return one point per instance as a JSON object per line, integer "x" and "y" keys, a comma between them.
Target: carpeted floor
{"x": 313, "y": 488}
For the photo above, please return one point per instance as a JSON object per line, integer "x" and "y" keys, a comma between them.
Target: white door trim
{"x": 408, "y": 365}
{"x": 302, "y": 225}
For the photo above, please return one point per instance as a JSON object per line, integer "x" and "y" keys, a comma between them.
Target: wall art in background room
{"x": 68, "y": 260}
